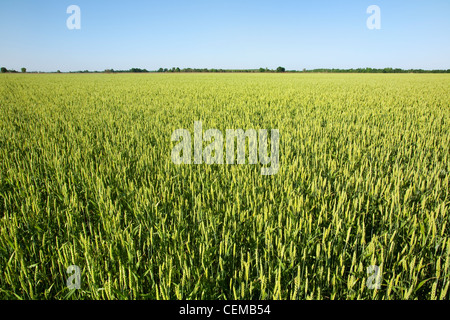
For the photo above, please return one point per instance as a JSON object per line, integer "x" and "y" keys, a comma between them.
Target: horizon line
{"x": 239, "y": 70}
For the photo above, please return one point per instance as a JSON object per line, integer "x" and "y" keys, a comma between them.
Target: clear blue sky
{"x": 224, "y": 34}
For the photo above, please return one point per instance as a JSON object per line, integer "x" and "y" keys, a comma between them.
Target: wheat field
{"x": 86, "y": 179}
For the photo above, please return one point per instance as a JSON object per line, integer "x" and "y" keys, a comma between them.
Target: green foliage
{"x": 137, "y": 70}
{"x": 86, "y": 179}
{"x": 374, "y": 70}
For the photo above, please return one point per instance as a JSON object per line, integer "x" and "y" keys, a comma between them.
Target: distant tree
{"x": 281, "y": 69}
{"x": 262, "y": 70}
{"x": 23, "y": 70}
{"x": 177, "y": 69}
{"x": 160, "y": 70}
{"x": 4, "y": 70}
{"x": 58, "y": 71}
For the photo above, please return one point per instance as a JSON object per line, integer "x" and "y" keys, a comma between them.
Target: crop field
{"x": 87, "y": 180}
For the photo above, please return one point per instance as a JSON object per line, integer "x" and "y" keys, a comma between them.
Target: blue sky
{"x": 224, "y": 34}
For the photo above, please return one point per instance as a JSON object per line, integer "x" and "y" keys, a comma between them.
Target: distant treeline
{"x": 279, "y": 69}
{"x": 176, "y": 69}
{"x": 260, "y": 70}
{"x": 4, "y": 70}
{"x": 371, "y": 70}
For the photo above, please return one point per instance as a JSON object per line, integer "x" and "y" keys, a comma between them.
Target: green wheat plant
{"x": 86, "y": 179}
